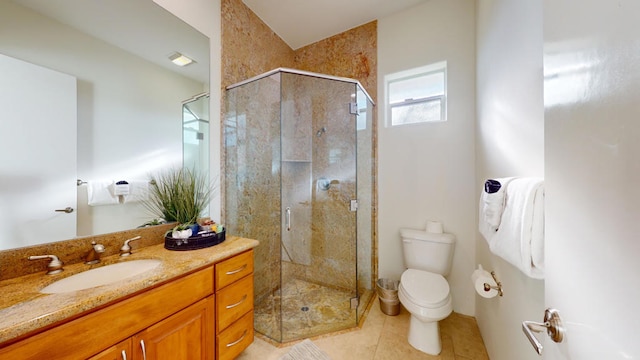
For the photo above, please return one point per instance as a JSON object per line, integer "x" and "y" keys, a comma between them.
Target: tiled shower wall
{"x": 250, "y": 48}
{"x": 351, "y": 54}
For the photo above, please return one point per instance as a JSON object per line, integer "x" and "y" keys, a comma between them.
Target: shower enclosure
{"x": 195, "y": 133}
{"x": 299, "y": 178}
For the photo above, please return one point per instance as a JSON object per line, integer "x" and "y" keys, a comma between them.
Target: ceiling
{"x": 139, "y": 27}
{"x": 297, "y": 22}
{"x": 303, "y": 22}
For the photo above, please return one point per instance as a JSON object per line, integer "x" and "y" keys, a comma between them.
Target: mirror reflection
{"x": 88, "y": 92}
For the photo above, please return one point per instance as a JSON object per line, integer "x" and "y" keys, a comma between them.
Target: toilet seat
{"x": 425, "y": 289}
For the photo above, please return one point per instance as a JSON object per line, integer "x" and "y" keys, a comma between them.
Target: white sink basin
{"x": 101, "y": 276}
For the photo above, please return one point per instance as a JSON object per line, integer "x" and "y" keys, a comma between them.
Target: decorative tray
{"x": 194, "y": 242}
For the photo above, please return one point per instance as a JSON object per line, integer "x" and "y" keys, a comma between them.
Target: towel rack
{"x": 80, "y": 182}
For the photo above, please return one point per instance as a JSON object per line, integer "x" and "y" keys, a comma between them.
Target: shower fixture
{"x": 325, "y": 184}
{"x": 321, "y": 131}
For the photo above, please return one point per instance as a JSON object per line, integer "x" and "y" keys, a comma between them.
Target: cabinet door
{"x": 121, "y": 351}
{"x": 186, "y": 335}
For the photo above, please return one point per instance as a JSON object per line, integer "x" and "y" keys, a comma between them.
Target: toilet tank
{"x": 427, "y": 251}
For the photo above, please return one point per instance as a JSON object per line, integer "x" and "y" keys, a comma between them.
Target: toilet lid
{"x": 424, "y": 288}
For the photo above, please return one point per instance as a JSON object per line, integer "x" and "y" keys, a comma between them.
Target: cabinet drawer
{"x": 236, "y": 338}
{"x": 234, "y": 301}
{"x": 233, "y": 269}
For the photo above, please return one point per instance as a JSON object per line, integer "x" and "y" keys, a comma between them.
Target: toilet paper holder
{"x": 488, "y": 287}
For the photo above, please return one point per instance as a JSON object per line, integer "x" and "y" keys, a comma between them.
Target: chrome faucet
{"x": 55, "y": 265}
{"x": 93, "y": 257}
{"x": 125, "y": 250}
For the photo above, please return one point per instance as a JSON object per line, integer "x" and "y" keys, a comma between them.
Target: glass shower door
{"x": 318, "y": 182}
{"x": 252, "y": 183}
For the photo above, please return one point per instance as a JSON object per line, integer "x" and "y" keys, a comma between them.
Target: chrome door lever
{"x": 67, "y": 210}
{"x": 552, "y": 323}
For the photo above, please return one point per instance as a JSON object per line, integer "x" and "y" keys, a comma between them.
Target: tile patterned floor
{"x": 325, "y": 310}
{"x": 384, "y": 337}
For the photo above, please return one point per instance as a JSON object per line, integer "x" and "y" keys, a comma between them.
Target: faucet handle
{"x": 55, "y": 265}
{"x": 99, "y": 248}
{"x": 125, "y": 250}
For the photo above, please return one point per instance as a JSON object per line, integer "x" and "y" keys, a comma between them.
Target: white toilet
{"x": 423, "y": 290}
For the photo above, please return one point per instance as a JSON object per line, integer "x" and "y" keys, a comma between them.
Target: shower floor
{"x": 307, "y": 310}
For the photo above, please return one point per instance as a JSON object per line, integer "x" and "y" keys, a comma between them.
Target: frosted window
{"x": 411, "y": 113}
{"x": 416, "y": 95}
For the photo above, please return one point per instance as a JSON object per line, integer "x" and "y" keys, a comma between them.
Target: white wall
{"x": 205, "y": 15}
{"x": 426, "y": 171}
{"x": 591, "y": 92}
{"x": 509, "y": 142}
{"x": 129, "y": 110}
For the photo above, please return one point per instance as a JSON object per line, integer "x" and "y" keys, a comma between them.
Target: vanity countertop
{"x": 23, "y": 309}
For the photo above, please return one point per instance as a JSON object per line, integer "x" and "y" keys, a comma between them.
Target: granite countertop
{"x": 23, "y": 309}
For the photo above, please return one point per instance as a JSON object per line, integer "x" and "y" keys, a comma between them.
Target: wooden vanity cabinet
{"x": 177, "y": 320}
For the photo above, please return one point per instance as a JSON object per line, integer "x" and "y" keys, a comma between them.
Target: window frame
{"x": 431, "y": 69}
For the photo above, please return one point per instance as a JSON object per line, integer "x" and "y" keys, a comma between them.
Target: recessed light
{"x": 180, "y": 59}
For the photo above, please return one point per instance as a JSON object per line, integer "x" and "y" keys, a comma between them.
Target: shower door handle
{"x": 288, "y": 218}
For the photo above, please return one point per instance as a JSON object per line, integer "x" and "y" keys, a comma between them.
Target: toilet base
{"x": 425, "y": 336}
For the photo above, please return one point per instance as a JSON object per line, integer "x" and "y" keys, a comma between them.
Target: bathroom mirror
{"x": 121, "y": 120}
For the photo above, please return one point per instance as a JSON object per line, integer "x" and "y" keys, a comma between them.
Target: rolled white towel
{"x": 520, "y": 237}
{"x": 100, "y": 192}
{"x": 492, "y": 203}
{"x": 138, "y": 191}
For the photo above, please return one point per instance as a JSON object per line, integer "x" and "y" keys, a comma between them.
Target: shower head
{"x": 321, "y": 131}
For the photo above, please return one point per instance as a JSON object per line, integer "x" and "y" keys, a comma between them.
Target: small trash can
{"x": 387, "y": 290}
